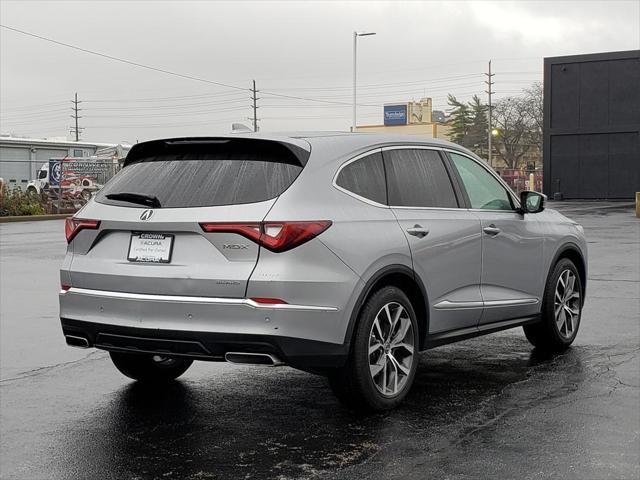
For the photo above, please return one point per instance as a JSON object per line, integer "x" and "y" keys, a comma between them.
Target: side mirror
{"x": 532, "y": 202}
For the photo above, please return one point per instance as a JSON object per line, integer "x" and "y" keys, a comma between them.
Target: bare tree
{"x": 515, "y": 126}
{"x": 534, "y": 109}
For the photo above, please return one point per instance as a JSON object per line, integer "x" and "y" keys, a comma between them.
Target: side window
{"x": 365, "y": 177}
{"x": 418, "y": 178}
{"x": 484, "y": 191}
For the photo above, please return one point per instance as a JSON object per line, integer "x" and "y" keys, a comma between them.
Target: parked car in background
{"x": 339, "y": 254}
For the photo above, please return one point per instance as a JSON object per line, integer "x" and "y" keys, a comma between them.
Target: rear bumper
{"x": 211, "y": 346}
{"x": 205, "y": 327}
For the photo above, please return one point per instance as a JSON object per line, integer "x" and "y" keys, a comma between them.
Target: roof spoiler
{"x": 229, "y": 147}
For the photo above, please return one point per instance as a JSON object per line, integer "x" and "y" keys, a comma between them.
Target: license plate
{"x": 150, "y": 248}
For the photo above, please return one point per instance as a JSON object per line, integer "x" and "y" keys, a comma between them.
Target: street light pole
{"x": 355, "y": 53}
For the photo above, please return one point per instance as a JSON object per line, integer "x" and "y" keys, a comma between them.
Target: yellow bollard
{"x": 638, "y": 204}
{"x": 532, "y": 182}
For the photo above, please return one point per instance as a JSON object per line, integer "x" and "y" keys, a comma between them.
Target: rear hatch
{"x": 147, "y": 234}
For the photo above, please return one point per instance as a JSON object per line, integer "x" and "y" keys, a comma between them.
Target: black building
{"x": 592, "y": 125}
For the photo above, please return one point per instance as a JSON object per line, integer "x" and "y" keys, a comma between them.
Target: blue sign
{"x": 395, "y": 114}
{"x": 55, "y": 172}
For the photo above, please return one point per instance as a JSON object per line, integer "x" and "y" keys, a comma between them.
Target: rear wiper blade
{"x": 139, "y": 198}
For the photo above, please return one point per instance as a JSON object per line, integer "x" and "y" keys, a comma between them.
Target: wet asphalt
{"x": 492, "y": 407}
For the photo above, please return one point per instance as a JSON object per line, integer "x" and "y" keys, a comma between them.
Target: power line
{"x": 155, "y": 69}
{"x": 171, "y": 99}
{"x": 35, "y": 106}
{"x": 122, "y": 60}
{"x": 376, "y": 85}
{"x": 19, "y": 116}
{"x": 169, "y": 107}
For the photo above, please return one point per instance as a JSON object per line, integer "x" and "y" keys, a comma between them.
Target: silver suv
{"x": 339, "y": 254}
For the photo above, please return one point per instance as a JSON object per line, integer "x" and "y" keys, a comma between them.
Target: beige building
{"x": 411, "y": 118}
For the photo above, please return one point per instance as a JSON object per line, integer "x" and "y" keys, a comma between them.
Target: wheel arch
{"x": 572, "y": 252}
{"x": 405, "y": 279}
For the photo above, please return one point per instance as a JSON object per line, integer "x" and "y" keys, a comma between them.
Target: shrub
{"x": 16, "y": 202}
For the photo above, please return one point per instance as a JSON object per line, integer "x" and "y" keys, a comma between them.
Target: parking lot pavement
{"x": 491, "y": 407}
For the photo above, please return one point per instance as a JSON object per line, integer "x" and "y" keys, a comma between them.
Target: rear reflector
{"x": 274, "y": 236}
{"x": 268, "y": 301}
{"x": 73, "y": 225}
{"x": 65, "y": 288}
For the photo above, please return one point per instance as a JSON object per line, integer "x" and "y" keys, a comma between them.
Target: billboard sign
{"x": 395, "y": 114}
{"x": 55, "y": 169}
{"x": 79, "y": 176}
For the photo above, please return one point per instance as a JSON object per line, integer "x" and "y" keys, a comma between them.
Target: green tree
{"x": 460, "y": 119}
{"x": 477, "y": 135}
{"x": 468, "y": 122}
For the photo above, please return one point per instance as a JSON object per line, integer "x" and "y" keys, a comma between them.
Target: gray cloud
{"x": 292, "y": 48}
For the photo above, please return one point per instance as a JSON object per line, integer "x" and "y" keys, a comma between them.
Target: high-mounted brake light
{"x": 275, "y": 236}
{"x": 73, "y": 225}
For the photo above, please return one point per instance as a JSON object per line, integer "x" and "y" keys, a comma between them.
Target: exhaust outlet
{"x": 79, "y": 342}
{"x": 253, "y": 359}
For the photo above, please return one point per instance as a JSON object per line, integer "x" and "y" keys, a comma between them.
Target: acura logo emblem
{"x": 146, "y": 215}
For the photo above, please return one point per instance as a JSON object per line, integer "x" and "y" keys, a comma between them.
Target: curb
{"x": 564, "y": 208}
{"x": 34, "y": 218}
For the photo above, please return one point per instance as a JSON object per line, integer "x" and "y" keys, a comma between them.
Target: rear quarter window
{"x": 365, "y": 177}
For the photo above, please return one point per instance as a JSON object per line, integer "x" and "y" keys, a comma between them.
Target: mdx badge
{"x": 146, "y": 215}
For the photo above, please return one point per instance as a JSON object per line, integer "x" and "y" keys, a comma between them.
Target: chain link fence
{"x": 520, "y": 179}
{"x": 61, "y": 185}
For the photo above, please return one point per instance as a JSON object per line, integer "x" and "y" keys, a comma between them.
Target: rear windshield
{"x": 203, "y": 179}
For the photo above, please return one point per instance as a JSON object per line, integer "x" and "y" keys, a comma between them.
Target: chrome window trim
{"x": 451, "y": 209}
{"x": 491, "y": 172}
{"x": 245, "y": 302}
{"x": 424, "y": 147}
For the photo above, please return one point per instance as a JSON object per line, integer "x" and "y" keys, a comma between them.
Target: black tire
{"x": 149, "y": 368}
{"x": 547, "y": 334}
{"x": 353, "y": 384}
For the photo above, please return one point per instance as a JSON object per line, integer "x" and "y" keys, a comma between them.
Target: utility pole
{"x": 355, "y": 65}
{"x": 76, "y": 130}
{"x": 489, "y": 81}
{"x": 254, "y": 105}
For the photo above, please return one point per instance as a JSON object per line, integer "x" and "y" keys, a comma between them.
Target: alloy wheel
{"x": 567, "y": 304}
{"x": 391, "y": 349}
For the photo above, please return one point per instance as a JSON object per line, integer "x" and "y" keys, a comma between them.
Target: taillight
{"x": 274, "y": 236}
{"x": 73, "y": 225}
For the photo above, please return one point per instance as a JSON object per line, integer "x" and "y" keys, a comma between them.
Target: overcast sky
{"x": 298, "y": 49}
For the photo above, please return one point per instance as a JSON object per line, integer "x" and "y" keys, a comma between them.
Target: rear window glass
{"x": 201, "y": 179}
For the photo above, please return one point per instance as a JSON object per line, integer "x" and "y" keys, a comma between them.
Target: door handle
{"x": 491, "y": 230}
{"x": 418, "y": 231}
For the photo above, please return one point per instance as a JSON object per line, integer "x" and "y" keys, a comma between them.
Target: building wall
{"x": 20, "y": 159}
{"x": 429, "y": 130}
{"x": 592, "y": 125}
